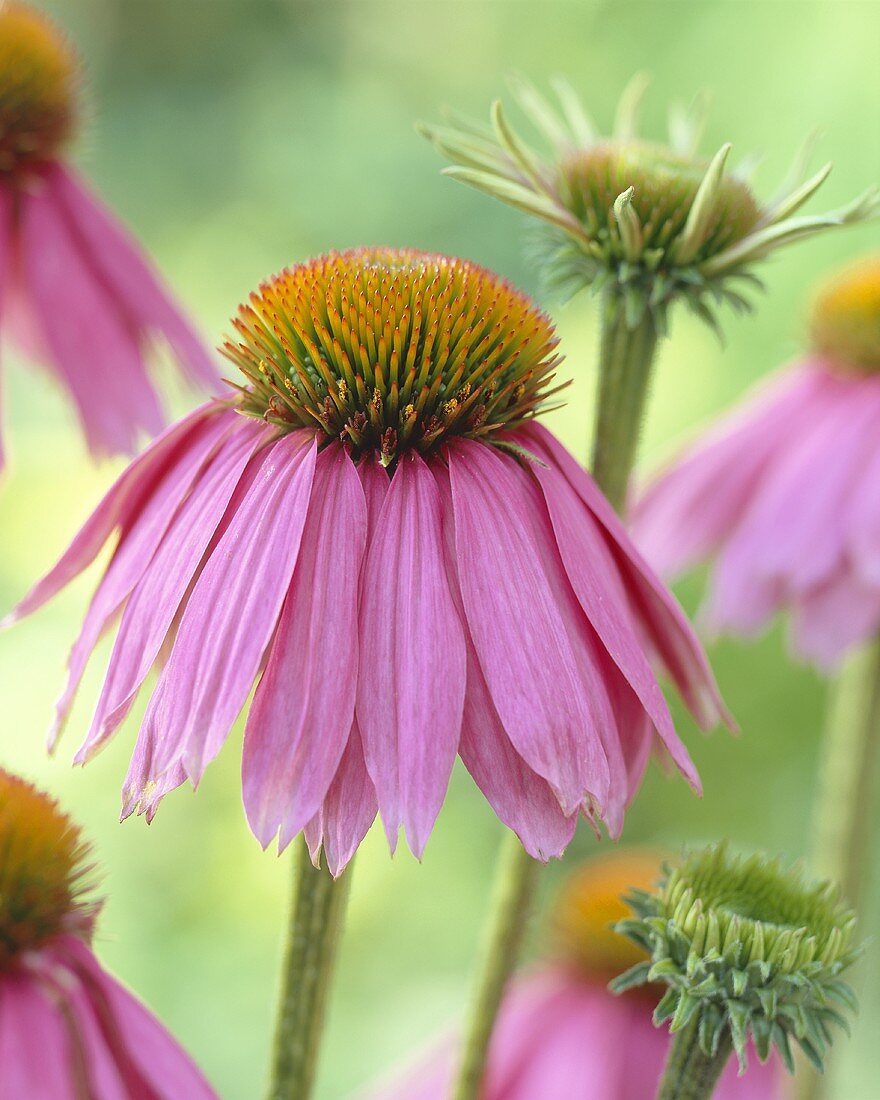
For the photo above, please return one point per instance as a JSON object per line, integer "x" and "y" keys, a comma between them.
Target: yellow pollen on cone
{"x": 45, "y": 871}
{"x": 38, "y": 76}
{"x": 845, "y": 323}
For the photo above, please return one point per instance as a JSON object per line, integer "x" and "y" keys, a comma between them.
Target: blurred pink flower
{"x": 561, "y": 1036}
{"x": 399, "y": 599}
{"x": 783, "y": 492}
{"x": 68, "y": 1030}
{"x": 76, "y": 293}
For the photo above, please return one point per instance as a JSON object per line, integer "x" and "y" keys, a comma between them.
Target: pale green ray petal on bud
{"x": 628, "y": 224}
{"x": 541, "y": 114}
{"x": 516, "y": 148}
{"x": 626, "y": 119}
{"x": 582, "y": 127}
{"x": 515, "y": 194}
{"x": 703, "y": 212}
{"x": 688, "y": 124}
{"x": 791, "y": 203}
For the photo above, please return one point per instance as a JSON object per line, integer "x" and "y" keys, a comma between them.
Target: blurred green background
{"x": 236, "y": 136}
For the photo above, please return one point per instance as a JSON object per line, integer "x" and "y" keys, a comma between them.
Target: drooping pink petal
{"x": 232, "y": 612}
{"x": 137, "y": 545}
{"x": 832, "y": 618}
{"x": 119, "y": 506}
{"x": 601, "y": 593}
{"x": 129, "y": 1051}
{"x": 863, "y": 520}
{"x": 155, "y": 601}
{"x": 302, "y": 713}
{"x": 505, "y": 577}
{"x": 666, "y": 625}
{"x": 412, "y": 670}
{"x": 128, "y": 277}
{"x": 521, "y": 798}
{"x": 34, "y": 1044}
{"x": 94, "y": 348}
{"x": 686, "y": 512}
{"x": 787, "y": 534}
{"x": 348, "y": 810}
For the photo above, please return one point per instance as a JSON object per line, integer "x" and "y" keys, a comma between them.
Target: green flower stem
{"x": 625, "y": 363}
{"x": 316, "y": 918}
{"x": 514, "y": 891}
{"x": 849, "y": 776}
{"x": 690, "y": 1074}
{"x": 625, "y": 360}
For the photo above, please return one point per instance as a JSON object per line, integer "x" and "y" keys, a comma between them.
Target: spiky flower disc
{"x": 390, "y": 349}
{"x": 45, "y": 871}
{"x": 654, "y": 222}
{"x": 751, "y": 947}
{"x": 845, "y": 324}
{"x": 38, "y": 72}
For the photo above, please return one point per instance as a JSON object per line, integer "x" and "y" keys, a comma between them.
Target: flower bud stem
{"x": 849, "y": 777}
{"x": 625, "y": 360}
{"x": 690, "y": 1073}
{"x": 626, "y": 355}
{"x": 316, "y": 918}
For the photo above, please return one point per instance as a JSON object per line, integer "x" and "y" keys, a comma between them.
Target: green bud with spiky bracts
{"x": 656, "y": 223}
{"x": 748, "y": 950}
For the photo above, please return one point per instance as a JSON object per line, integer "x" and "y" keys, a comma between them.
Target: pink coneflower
{"x": 783, "y": 492}
{"x": 75, "y": 292}
{"x": 407, "y": 564}
{"x": 561, "y": 1034}
{"x": 68, "y": 1030}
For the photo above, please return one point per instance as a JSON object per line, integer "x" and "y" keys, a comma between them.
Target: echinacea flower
{"x": 651, "y": 222}
{"x": 783, "y": 491}
{"x": 407, "y": 564}
{"x": 68, "y": 1030}
{"x": 75, "y": 292}
{"x": 561, "y": 1034}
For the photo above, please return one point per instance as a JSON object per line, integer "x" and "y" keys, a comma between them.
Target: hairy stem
{"x": 849, "y": 776}
{"x": 625, "y": 359}
{"x": 690, "y": 1074}
{"x": 316, "y": 918}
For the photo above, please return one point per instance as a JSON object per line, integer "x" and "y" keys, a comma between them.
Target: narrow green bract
{"x": 751, "y": 947}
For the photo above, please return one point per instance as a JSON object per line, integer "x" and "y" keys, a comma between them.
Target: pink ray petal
{"x": 232, "y": 613}
{"x": 412, "y": 671}
{"x": 348, "y": 810}
{"x": 123, "y": 268}
{"x": 93, "y": 347}
{"x": 155, "y": 601}
{"x": 136, "y": 548}
{"x": 505, "y": 577}
{"x": 301, "y": 716}
{"x": 665, "y": 623}
{"x": 119, "y": 507}
{"x": 34, "y": 1045}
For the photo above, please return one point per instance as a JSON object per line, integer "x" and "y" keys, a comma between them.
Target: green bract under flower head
{"x": 752, "y": 948}
{"x": 45, "y": 871}
{"x": 651, "y": 221}
{"x": 38, "y": 73}
{"x": 390, "y": 349}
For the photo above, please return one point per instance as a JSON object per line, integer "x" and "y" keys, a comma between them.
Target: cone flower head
{"x": 406, "y": 563}
{"x": 76, "y": 294}
{"x": 67, "y": 1028}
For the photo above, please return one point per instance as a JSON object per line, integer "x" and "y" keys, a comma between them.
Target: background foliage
{"x": 239, "y": 135}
